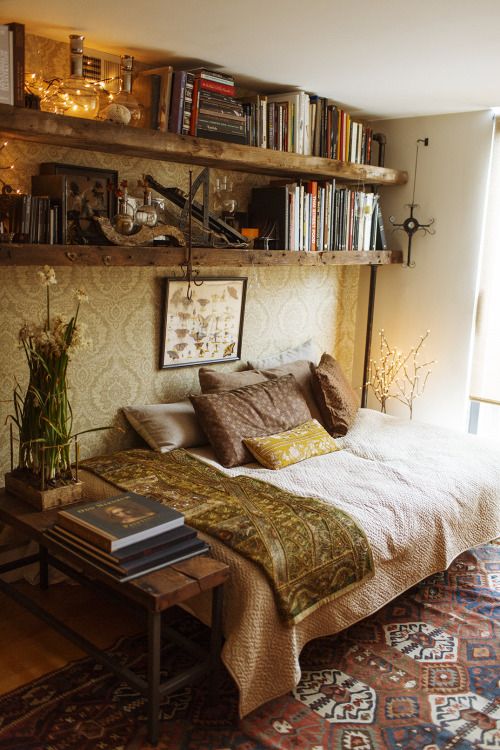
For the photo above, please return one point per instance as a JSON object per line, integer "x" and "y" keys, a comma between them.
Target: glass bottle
{"x": 126, "y": 98}
{"x": 147, "y": 215}
{"x": 75, "y": 96}
{"x": 124, "y": 221}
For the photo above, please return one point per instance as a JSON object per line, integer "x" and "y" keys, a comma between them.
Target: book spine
{"x": 194, "y": 110}
{"x": 212, "y": 75}
{"x": 221, "y": 126}
{"x": 219, "y": 88}
{"x": 312, "y": 188}
{"x": 85, "y": 532}
{"x": 155, "y": 101}
{"x": 218, "y": 136}
{"x": 188, "y": 105}
{"x": 17, "y": 30}
{"x": 6, "y": 82}
{"x": 176, "y": 107}
{"x": 165, "y": 95}
{"x": 381, "y": 238}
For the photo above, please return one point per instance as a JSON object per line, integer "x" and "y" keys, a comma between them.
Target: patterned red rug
{"x": 421, "y": 674}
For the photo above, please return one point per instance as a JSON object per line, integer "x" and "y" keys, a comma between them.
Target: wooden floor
{"x": 29, "y": 648}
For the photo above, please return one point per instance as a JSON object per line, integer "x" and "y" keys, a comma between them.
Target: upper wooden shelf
{"x": 41, "y": 127}
{"x": 114, "y": 256}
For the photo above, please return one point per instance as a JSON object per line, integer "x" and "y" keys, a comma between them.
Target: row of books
{"x": 203, "y": 102}
{"x": 304, "y": 124}
{"x": 318, "y": 216}
{"x": 126, "y": 536}
{"x": 12, "y": 64}
{"x": 33, "y": 219}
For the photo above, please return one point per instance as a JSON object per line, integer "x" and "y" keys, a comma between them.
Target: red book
{"x": 220, "y": 88}
{"x": 312, "y": 188}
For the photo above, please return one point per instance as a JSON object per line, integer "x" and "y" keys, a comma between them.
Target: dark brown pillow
{"x": 213, "y": 381}
{"x": 301, "y": 370}
{"x": 336, "y": 397}
{"x": 261, "y": 409}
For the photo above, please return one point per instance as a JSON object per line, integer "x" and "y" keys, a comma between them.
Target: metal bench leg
{"x": 154, "y": 646}
{"x": 216, "y": 641}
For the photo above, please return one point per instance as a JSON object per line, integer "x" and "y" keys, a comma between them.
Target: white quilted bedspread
{"x": 422, "y": 494}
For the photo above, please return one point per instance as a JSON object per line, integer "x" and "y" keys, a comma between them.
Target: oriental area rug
{"x": 421, "y": 674}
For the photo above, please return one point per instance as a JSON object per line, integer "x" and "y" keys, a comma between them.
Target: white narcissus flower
{"x": 81, "y": 295}
{"x": 47, "y": 276}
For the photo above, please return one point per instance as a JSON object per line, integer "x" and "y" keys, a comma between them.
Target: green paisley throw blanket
{"x": 310, "y": 551}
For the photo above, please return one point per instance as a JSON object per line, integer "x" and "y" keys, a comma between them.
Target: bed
{"x": 422, "y": 495}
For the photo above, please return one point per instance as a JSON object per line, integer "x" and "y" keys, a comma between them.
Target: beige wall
{"x": 439, "y": 293}
{"x": 284, "y": 307}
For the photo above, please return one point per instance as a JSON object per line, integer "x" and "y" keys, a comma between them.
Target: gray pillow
{"x": 307, "y": 350}
{"x": 166, "y": 426}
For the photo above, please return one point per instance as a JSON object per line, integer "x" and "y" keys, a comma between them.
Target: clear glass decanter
{"x": 124, "y": 222}
{"x": 147, "y": 215}
{"x": 75, "y": 96}
{"x": 126, "y": 98}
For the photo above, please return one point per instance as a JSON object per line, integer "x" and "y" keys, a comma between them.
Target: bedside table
{"x": 154, "y": 593}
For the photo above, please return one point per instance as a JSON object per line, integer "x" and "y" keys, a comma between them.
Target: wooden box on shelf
{"x": 53, "y": 497}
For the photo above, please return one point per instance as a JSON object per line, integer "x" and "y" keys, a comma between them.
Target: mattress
{"x": 422, "y": 494}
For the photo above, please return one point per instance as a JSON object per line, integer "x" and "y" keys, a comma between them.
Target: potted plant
{"x": 42, "y": 414}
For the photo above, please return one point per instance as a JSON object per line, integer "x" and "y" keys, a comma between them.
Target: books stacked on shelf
{"x": 32, "y": 219}
{"x": 318, "y": 216}
{"x": 126, "y": 536}
{"x": 12, "y": 64}
{"x": 216, "y": 113}
{"x": 335, "y": 135}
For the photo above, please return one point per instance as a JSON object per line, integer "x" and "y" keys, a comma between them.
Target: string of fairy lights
{"x": 7, "y": 188}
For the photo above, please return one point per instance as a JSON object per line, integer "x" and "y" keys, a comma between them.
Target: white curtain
{"x": 485, "y": 383}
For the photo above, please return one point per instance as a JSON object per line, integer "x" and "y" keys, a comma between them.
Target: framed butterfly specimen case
{"x": 202, "y": 321}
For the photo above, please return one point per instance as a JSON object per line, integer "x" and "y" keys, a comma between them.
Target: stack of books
{"x": 216, "y": 113}
{"x": 318, "y": 216}
{"x": 126, "y": 536}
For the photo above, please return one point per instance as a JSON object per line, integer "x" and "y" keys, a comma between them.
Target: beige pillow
{"x": 285, "y": 448}
{"x": 336, "y": 397}
{"x": 307, "y": 350}
{"x": 166, "y": 426}
{"x": 261, "y": 409}
{"x": 214, "y": 381}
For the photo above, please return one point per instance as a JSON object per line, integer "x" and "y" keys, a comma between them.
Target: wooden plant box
{"x": 53, "y": 497}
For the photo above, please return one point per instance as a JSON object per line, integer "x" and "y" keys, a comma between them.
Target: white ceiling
{"x": 388, "y": 58}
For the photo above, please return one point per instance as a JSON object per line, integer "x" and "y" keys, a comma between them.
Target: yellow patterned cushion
{"x": 289, "y": 447}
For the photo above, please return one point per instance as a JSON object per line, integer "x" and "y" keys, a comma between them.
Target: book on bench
{"x": 118, "y": 522}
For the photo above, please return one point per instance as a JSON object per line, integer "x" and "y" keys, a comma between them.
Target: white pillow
{"x": 307, "y": 350}
{"x": 167, "y": 426}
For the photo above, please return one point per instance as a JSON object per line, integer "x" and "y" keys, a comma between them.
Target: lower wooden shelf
{"x": 116, "y": 256}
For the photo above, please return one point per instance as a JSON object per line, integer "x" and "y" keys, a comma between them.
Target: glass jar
{"x": 147, "y": 215}
{"x": 75, "y": 96}
{"x": 125, "y": 97}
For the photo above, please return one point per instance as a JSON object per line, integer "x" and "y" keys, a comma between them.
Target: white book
{"x": 368, "y": 220}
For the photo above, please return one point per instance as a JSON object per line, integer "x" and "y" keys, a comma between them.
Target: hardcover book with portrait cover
{"x": 119, "y": 521}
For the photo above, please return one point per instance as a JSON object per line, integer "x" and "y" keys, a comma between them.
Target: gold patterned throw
{"x": 310, "y": 551}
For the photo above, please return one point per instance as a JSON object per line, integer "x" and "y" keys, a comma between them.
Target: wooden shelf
{"x": 115, "y": 256}
{"x": 91, "y": 135}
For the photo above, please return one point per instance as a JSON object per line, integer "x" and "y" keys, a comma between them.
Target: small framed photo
{"x": 89, "y": 192}
{"x": 206, "y": 328}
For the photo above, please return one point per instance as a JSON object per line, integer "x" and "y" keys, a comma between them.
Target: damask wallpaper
{"x": 284, "y": 307}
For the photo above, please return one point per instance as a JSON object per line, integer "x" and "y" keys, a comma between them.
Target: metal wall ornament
{"x": 411, "y": 225}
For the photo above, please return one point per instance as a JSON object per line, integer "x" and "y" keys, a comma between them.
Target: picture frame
{"x": 205, "y": 329}
{"x": 90, "y": 191}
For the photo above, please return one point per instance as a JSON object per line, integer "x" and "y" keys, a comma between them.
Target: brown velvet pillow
{"x": 301, "y": 370}
{"x": 213, "y": 381}
{"x": 336, "y": 398}
{"x": 261, "y": 409}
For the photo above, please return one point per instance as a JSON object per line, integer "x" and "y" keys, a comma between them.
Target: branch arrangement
{"x": 397, "y": 375}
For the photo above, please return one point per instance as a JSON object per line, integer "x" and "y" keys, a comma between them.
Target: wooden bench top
{"x": 156, "y": 591}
